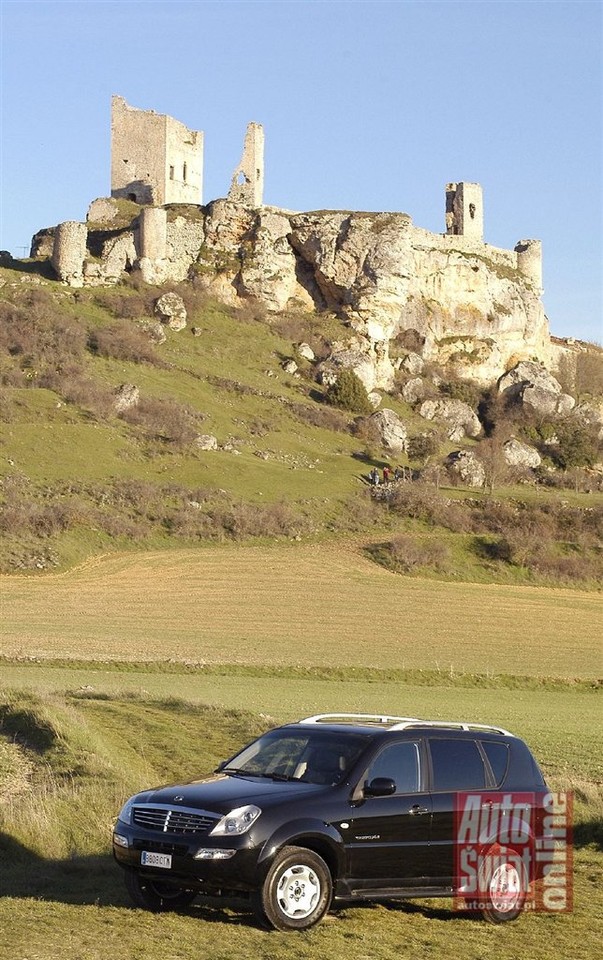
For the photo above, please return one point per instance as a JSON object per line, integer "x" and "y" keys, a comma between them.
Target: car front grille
{"x": 172, "y": 821}
{"x": 177, "y": 849}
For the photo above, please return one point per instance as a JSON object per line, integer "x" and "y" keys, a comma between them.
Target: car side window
{"x": 399, "y": 762}
{"x": 457, "y": 765}
{"x": 498, "y": 755}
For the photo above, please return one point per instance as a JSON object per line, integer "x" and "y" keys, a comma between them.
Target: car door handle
{"x": 416, "y": 810}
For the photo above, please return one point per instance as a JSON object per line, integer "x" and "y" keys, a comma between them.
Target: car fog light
{"x": 119, "y": 840}
{"x": 213, "y": 854}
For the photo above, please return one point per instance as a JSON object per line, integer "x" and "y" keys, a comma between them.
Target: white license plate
{"x": 163, "y": 860}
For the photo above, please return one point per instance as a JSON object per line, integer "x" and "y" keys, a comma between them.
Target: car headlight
{"x": 236, "y": 822}
{"x": 125, "y": 814}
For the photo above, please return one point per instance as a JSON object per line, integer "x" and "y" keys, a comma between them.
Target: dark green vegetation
{"x": 67, "y": 762}
{"x": 80, "y": 476}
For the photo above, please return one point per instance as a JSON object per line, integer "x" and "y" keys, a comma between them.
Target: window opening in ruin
{"x": 472, "y": 211}
{"x": 184, "y": 172}
{"x": 171, "y": 173}
{"x": 132, "y": 196}
{"x": 241, "y": 179}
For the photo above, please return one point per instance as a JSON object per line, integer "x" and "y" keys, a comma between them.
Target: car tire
{"x": 156, "y": 895}
{"x": 296, "y": 892}
{"x": 502, "y": 885}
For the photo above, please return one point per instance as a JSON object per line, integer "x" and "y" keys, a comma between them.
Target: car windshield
{"x": 316, "y": 756}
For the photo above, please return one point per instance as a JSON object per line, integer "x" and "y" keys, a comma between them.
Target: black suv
{"x": 343, "y": 806}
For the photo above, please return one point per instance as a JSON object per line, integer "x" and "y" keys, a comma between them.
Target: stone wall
{"x": 465, "y": 210}
{"x": 247, "y": 185}
{"x": 69, "y": 252}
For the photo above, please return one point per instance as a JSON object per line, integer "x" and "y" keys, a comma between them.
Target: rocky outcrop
{"x": 392, "y": 430}
{"x": 171, "y": 311}
{"x": 463, "y": 465}
{"x": 461, "y": 302}
{"x": 206, "y": 441}
{"x": 126, "y": 396}
{"x": 537, "y": 389}
{"x": 368, "y": 360}
{"x": 413, "y": 390}
{"x": 458, "y": 418}
{"x": 518, "y": 454}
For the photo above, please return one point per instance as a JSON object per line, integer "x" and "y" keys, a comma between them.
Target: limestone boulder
{"x": 206, "y": 441}
{"x": 127, "y": 395}
{"x": 374, "y": 398}
{"x": 103, "y": 210}
{"x": 536, "y": 389}
{"x": 590, "y": 414}
{"x": 290, "y": 366}
{"x": 369, "y": 361}
{"x": 306, "y": 351}
{"x": 518, "y": 454}
{"x": 457, "y": 416}
{"x": 154, "y": 329}
{"x": 171, "y": 311}
{"x": 413, "y": 364}
{"x": 392, "y": 430}
{"x": 413, "y": 390}
{"x": 466, "y": 467}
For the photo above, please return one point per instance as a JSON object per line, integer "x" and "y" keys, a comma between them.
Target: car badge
{"x": 178, "y": 798}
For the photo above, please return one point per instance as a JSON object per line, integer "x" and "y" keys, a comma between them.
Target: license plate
{"x": 163, "y": 860}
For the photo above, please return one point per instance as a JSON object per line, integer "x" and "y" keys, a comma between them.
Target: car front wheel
{"x": 156, "y": 895}
{"x": 296, "y": 892}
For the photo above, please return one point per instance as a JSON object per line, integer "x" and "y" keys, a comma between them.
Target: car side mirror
{"x": 380, "y": 787}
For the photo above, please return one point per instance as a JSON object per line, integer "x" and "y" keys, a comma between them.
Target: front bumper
{"x": 238, "y": 872}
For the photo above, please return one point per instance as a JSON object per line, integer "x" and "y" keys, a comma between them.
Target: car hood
{"x": 223, "y": 792}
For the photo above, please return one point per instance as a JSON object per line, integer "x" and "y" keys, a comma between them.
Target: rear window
{"x": 457, "y": 765}
{"x": 498, "y": 756}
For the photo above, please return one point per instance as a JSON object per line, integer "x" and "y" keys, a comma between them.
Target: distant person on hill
{"x": 386, "y": 474}
{"x": 374, "y": 477}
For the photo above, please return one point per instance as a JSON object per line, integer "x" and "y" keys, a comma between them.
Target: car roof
{"x": 384, "y": 724}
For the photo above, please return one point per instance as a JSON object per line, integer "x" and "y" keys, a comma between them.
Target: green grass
{"x": 63, "y": 897}
{"x": 294, "y": 605}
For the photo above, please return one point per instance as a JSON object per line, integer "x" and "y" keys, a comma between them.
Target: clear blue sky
{"x": 366, "y": 106}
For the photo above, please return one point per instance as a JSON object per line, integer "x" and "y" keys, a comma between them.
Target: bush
{"x": 463, "y": 390}
{"x": 422, "y": 447}
{"x": 409, "y": 553}
{"x": 123, "y": 341}
{"x": 164, "y": 420}
{"x": 348, "y": 393}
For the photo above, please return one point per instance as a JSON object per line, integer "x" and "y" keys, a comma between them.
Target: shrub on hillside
{"x": 409, "y": 553}
{"x": 42, "y": 343}
{"x": 123, "y": 341}
{"x": 421, "y": 447}
{"x": 164, "y": 420}
{"x": 349, "y": 393}
{"x": 464, "y": 390}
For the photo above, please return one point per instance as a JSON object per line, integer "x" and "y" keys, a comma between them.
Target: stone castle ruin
{"x": 154, "y": 159}
{"x": 455, "y": 298}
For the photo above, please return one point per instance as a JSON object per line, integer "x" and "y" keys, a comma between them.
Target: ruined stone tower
{"x": 247, "y": 185}
{"x": 465, "y": 210}
{"x": 154, "y": 158}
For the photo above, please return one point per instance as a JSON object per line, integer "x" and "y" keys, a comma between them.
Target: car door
{"x": 388, "y": 836}
{"x": 457, "y": 768}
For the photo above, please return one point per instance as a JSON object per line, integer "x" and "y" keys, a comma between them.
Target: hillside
{"x": 213, "y": 440}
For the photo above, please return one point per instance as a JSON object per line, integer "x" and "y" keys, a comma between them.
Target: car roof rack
{"x": 400, "y": 723}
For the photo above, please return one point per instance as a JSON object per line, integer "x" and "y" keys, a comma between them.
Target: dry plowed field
{"x": 314, "y": 605}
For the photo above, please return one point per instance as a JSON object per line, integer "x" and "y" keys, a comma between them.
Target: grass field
{"x": 320, "y": 604}
{"x": 143, "y": 668}
{"x": 62, "y": 897}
